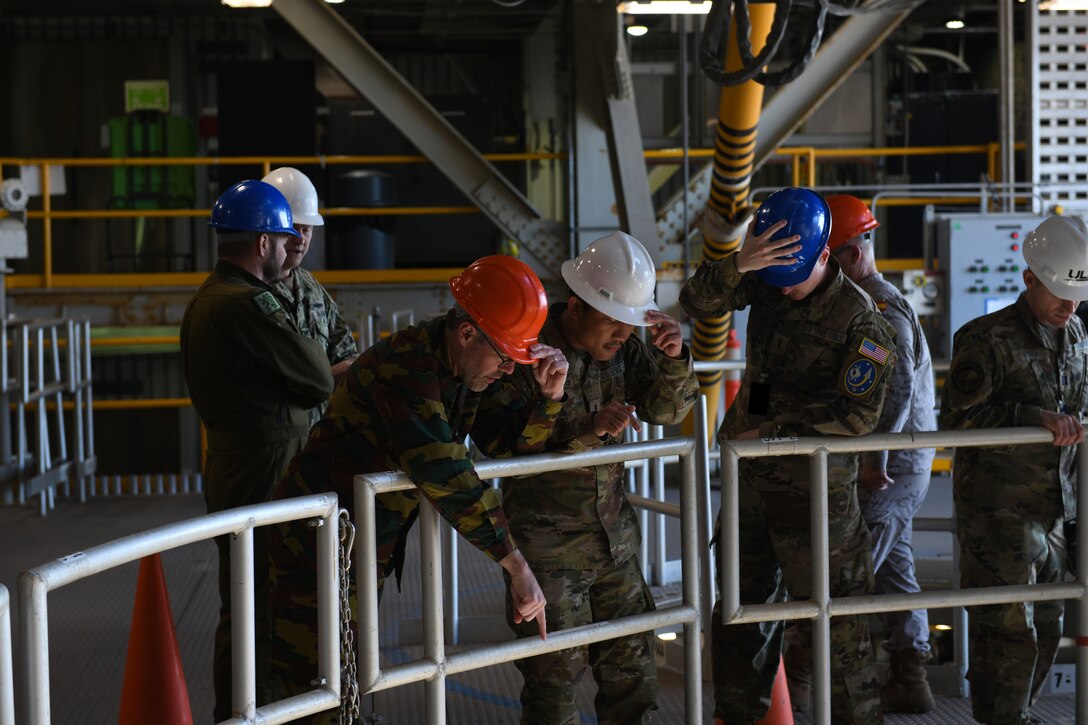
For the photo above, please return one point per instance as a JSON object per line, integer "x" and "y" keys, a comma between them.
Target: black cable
{"x": 715, "y": 39}
{"x": 782, "y": 77}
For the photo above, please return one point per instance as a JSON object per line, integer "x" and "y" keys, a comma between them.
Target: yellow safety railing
{"x": 803, "y": 160}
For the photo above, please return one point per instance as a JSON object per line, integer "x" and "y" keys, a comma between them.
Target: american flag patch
{"x": 873, "y": 351}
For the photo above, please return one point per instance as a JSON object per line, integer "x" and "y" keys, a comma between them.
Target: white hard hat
{"x": 300, "y": 193}
{"x": 1057, "y": 253}
{"x": 615, "y": 275}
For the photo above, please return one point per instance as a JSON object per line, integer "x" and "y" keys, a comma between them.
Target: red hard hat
{"x": 506, "y": 299}
{"x": 849, "y": 218}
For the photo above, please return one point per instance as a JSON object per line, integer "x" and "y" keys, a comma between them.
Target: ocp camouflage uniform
{"x": 815, "y": 367}
{"x": 317, "y": 317}
{"x": 1011, "y": 501}
{"x": 399, "y": 407}
{"x": 252, "y": 379}
{"x": 579, "y": 533}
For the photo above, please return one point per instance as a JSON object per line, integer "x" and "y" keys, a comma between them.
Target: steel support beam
{"x": 361, "y": 65}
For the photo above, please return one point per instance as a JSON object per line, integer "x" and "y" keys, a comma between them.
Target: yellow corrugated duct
{"x": 734, "y": 153}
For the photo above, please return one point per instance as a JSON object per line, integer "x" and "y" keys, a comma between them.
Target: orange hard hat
{"x": 849, "y": 218}
{"x": 506, "y": 299}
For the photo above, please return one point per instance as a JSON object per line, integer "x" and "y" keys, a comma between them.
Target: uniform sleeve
{"x": 897, "y": 401}
{"x": 861, "y": 385}
{"x": 661, "y": 388}
{"x": 513, "y": 419}
{"x": 423, "y": 441}
{"x": 717, "y": 288}
{"x": 973, "y": 377}
{"x": 341, "y": 344}
{"x": 272, "y": 341}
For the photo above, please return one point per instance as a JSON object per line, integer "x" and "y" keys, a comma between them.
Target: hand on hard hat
{"x": 549, "y": 370}
{"x": 506, "y": 299}
{"x": 615, "y": 276}
{"x": 613, "y": 418}
{"x": 665, "y": 333}
{"x": 808, "y": 222}
{"x": 759, "y": 252}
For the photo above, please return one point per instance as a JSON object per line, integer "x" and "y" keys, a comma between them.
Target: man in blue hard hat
{"x": 253, "y": 379}
{"x": 818, "y": 355}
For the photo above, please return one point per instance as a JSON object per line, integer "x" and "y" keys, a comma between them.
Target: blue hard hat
{"x": 253, "y": 206}
{"x": 806, "y": 214}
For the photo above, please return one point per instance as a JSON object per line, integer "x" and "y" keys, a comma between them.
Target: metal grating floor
{"x": 89, "y": 625}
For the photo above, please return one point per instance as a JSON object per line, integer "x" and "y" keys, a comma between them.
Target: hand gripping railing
{"x": 435, "y": 664}
{"x": 821, "y": 607}
{"x": 34, "y": 586}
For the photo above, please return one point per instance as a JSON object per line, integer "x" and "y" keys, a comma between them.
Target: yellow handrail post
{"x": 810, "y": 155}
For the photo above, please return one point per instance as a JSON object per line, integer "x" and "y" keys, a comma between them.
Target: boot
{"x": 798, "y": 664}
{"x": 907, "y": 689}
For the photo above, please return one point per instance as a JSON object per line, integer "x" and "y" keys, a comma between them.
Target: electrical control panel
{"x": 982, "y": 261}
{"x": 922, "y": 288}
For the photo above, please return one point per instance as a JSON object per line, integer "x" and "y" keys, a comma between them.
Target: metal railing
{"x": 821, "y": 607}
{"x": 7, "y": 688}
{"x": 34, "y": 376}
{"x": 803, "y": 161}
{"x": 436, "y": 664}
{"x": 238, "y": 523}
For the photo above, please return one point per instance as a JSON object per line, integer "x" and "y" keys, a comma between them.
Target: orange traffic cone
{"x": 154, "y": 690}
{"x": 781, "y": 713}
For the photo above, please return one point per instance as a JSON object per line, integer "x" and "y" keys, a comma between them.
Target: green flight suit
{"x": 252, "y": 379}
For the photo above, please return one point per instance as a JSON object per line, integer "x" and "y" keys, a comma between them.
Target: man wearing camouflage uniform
{"x": 1022, "y": 365}
{"x": 892, "y": 484}
{"x": 575, "y": 527}
{"x": 818, "y": 353}
{"x": 306, "y": 302}
{"x": 252, "y": 379}
{"x": 408, "y": 403}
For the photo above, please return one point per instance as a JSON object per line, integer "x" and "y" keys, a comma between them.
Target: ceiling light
{"x": 337, "y": 2}
{"x": 953, "y": 24}
{"x": 664, "y": 7}
{"x": 637, "y": 30}
{"x": 1063, "y": 5}
{"x": 247, "y": 3}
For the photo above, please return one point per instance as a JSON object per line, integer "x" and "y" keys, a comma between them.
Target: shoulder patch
{"x": 882, "y": 305}
{"x": 267, "y": 303}
{"x": 967, "y": 377}
{"x": 873, "y": 351}
{"x": 860, "y": 377}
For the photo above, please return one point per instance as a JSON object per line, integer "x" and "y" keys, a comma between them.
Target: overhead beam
{"x": 364, "y": 68}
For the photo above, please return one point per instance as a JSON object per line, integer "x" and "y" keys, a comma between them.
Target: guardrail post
{"x": 243, "y": 636}
{"x": 692, "y": 520}
{"x": 433, "y": 643}
{"x": 7, "y": 688}
{"x": 821, "y": 589}
{"x": 1082, "y": 579}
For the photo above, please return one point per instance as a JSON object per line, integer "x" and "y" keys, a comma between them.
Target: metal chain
{"x": 349, "y": 682}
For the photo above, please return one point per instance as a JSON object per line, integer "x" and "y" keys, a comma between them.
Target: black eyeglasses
{"x": 502, "y": 358}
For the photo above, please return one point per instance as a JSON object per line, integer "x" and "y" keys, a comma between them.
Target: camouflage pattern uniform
{"x": 1011, "y": 501}
{"x": 815, "y": 367}
{"x": 252, "y": 379}
{"x": 579, "y": 533}
{"x": 317, "y": 317}
{"x": 399, "y": 407}
{"x": 908, "y": 407}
